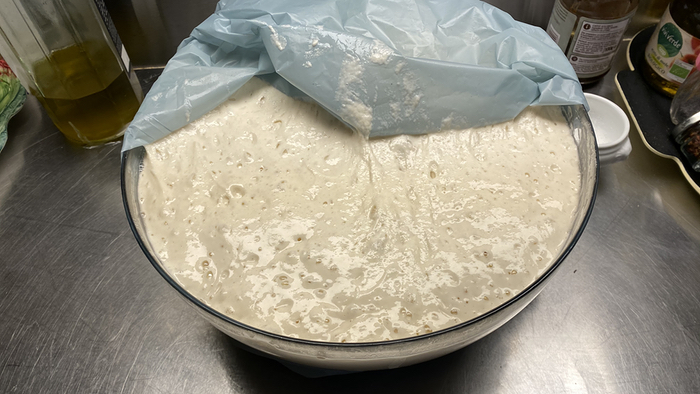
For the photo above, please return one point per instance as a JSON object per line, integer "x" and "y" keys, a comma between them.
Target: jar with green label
{"x": 674, "y": 46}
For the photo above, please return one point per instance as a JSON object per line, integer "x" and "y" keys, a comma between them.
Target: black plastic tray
{"x": 650, "y": 110}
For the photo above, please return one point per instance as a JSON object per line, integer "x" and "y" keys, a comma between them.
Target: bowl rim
{"x": 620, "y": 116}
{"x": 354, "y": 345}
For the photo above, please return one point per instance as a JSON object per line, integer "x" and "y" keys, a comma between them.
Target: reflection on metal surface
{"x": 534, "y": 12}
{"x": 648, "y": 13}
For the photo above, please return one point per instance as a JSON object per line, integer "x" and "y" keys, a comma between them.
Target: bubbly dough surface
{"x": 271, "y": 211}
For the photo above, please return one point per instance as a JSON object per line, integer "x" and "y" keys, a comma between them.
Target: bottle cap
{"x": 677, "y": 131}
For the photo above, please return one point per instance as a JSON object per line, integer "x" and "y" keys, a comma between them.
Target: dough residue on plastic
{"x": 350, "y": 89}
{"x": 279, "y": 41}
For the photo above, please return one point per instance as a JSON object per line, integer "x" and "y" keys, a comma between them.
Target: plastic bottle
{"x": 674, "y": 46}
{"x": 68, "y": 55}
{"x": 589, "y": 33}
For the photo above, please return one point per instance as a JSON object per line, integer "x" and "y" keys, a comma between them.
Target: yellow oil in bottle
{"x": 673, "y": 47}
{"x": 662, "y": 85}
{"x": 87, "y": 94}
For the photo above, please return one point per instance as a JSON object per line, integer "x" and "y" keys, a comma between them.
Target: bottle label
{"x": 594, "y": 43}
{"x": 561, "y": 24}
{"x": 112, "y": 30}
{"x": 671, "y": 51}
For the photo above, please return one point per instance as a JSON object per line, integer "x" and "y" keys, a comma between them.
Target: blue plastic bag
{"x": 382, "y": 66}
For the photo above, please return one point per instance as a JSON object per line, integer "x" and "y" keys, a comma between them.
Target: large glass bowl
{"x": 386, "y": 354}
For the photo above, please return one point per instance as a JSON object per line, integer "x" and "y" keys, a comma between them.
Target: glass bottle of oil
{"x": 589, "y": 33}
{"x": 673, "y": 47}
{"x": 68, "y": 54}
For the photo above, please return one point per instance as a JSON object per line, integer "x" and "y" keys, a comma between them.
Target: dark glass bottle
{"x": 589, "y": 32}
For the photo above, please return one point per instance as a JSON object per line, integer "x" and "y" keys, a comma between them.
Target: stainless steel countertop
{"x": 82, "y": 310}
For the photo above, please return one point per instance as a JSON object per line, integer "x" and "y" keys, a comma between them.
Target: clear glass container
{"x": 686, "y": 102}
{"x": 64, "y": 54}
{"x": 687, "y": 135}
{"x": 685, "y": 114}
{"x": 366, "y": 356}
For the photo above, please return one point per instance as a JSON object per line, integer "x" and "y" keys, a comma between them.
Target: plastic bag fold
{"x": 383, "y": 67}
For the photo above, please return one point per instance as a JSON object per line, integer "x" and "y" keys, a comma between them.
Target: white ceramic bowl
{"x": 611, "y": 127}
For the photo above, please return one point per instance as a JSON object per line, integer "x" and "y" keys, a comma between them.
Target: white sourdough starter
{"x": 271, "y": 211}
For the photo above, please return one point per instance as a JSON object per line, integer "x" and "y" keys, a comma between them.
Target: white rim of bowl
{"x": 619, "y": 112}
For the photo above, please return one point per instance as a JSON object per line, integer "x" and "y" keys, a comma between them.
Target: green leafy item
{"x": 12, "y": 96}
